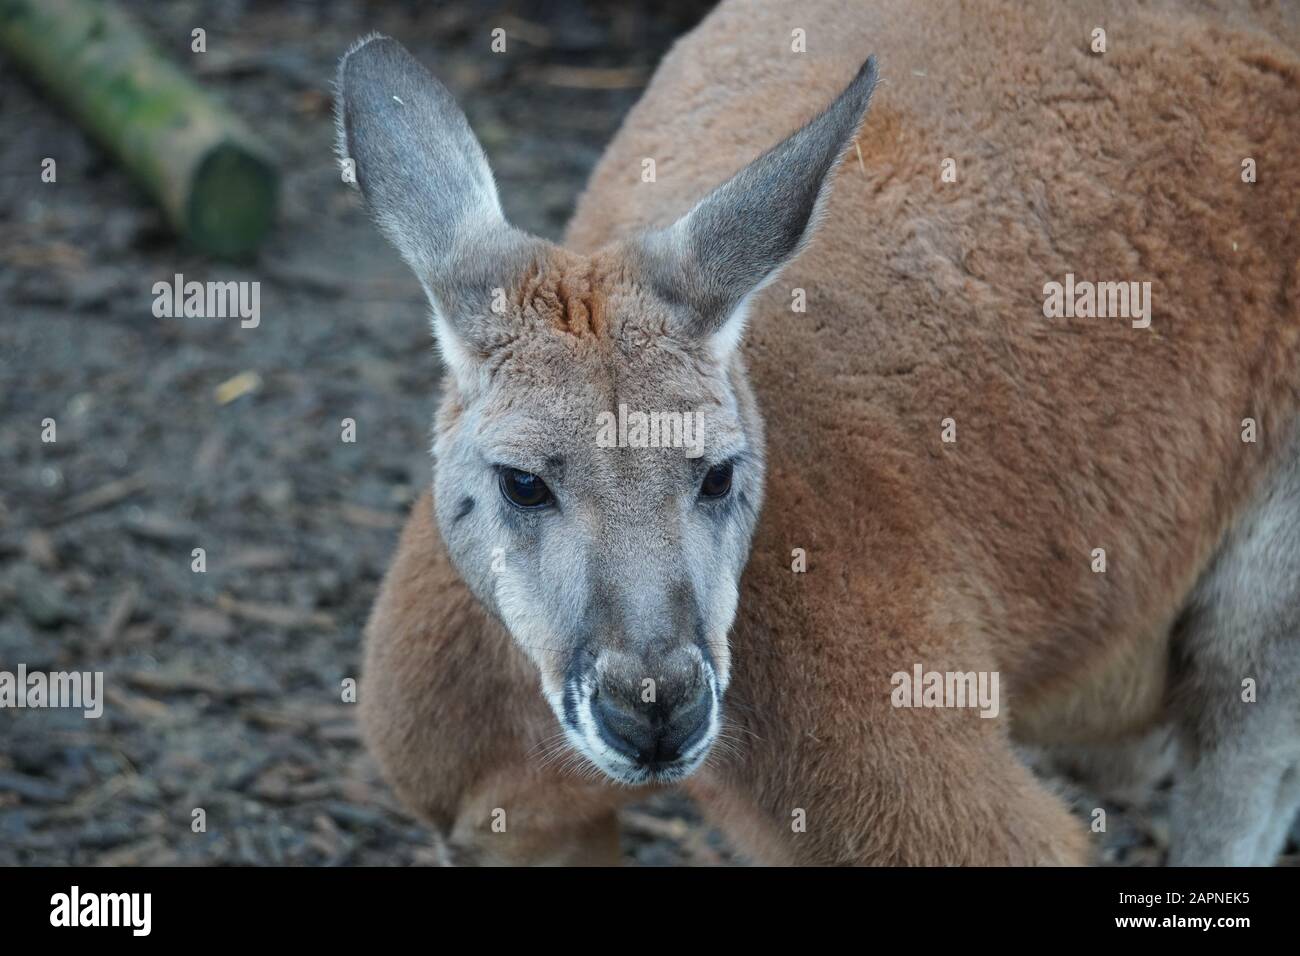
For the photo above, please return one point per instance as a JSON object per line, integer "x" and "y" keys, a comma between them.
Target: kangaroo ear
{"x": 427, "y": 184}
{"x": 737, "y": 239}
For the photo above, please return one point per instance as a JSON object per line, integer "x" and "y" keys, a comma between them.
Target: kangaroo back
{"x": 1002, "y": 158}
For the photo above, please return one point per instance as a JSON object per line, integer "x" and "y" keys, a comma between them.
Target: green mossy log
{"x": 204, "y": 167}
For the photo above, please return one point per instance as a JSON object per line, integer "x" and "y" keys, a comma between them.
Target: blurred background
{"x": 223, "y": 688}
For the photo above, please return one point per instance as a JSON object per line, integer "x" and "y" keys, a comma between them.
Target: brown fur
{"x": 924, "y": 302}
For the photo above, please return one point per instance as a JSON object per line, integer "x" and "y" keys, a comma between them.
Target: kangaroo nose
{"x": 653, "y": 733}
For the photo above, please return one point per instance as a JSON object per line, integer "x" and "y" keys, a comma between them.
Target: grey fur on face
{"x": 623, "y": 587}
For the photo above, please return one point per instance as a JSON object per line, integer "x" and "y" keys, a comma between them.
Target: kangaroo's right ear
{"x": 428, "y": 186}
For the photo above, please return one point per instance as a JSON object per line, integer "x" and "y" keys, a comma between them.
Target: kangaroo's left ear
{"x": 737, "y": 239}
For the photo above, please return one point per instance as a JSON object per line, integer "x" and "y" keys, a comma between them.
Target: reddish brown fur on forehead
{"x": 563, "y": 290}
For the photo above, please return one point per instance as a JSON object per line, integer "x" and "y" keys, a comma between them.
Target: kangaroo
{"x": 916, "y": 458}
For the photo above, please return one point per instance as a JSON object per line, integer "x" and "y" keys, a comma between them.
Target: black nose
{"x": 654, "y": 733}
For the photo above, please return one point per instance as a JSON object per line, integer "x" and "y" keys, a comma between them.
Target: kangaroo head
{"x": 598, "y": 453}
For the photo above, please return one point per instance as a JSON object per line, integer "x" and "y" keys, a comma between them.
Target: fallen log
{"x": 203, "y": 166}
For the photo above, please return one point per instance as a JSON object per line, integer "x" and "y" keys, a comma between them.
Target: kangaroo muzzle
{"x": 644, "y": 719}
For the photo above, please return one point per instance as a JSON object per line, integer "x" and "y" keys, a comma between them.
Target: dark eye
{"x": 717, "y": 482}
{"x": 524, "y": 489}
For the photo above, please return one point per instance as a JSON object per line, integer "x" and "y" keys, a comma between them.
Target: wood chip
{"x": 145, "y": 852}
{"x": 141, "y": 708}
{"x": 369, "y": 517}
{"x": 159, "y": 528}
{"x": 276, "y": 615}
{"x": 157, "y": 682}
{"x": 259, "y": 559}
{"x": 240, "y": 385}
{"x": 593, "y": 78}
{"x": 104, "y": 496}
{"x": 207, "y": 623}
{"x": 40, "y": 550}
{"x": 119, "y": 614}
{"x": 210, "y": 452}
{"x": 675, "y": 830}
